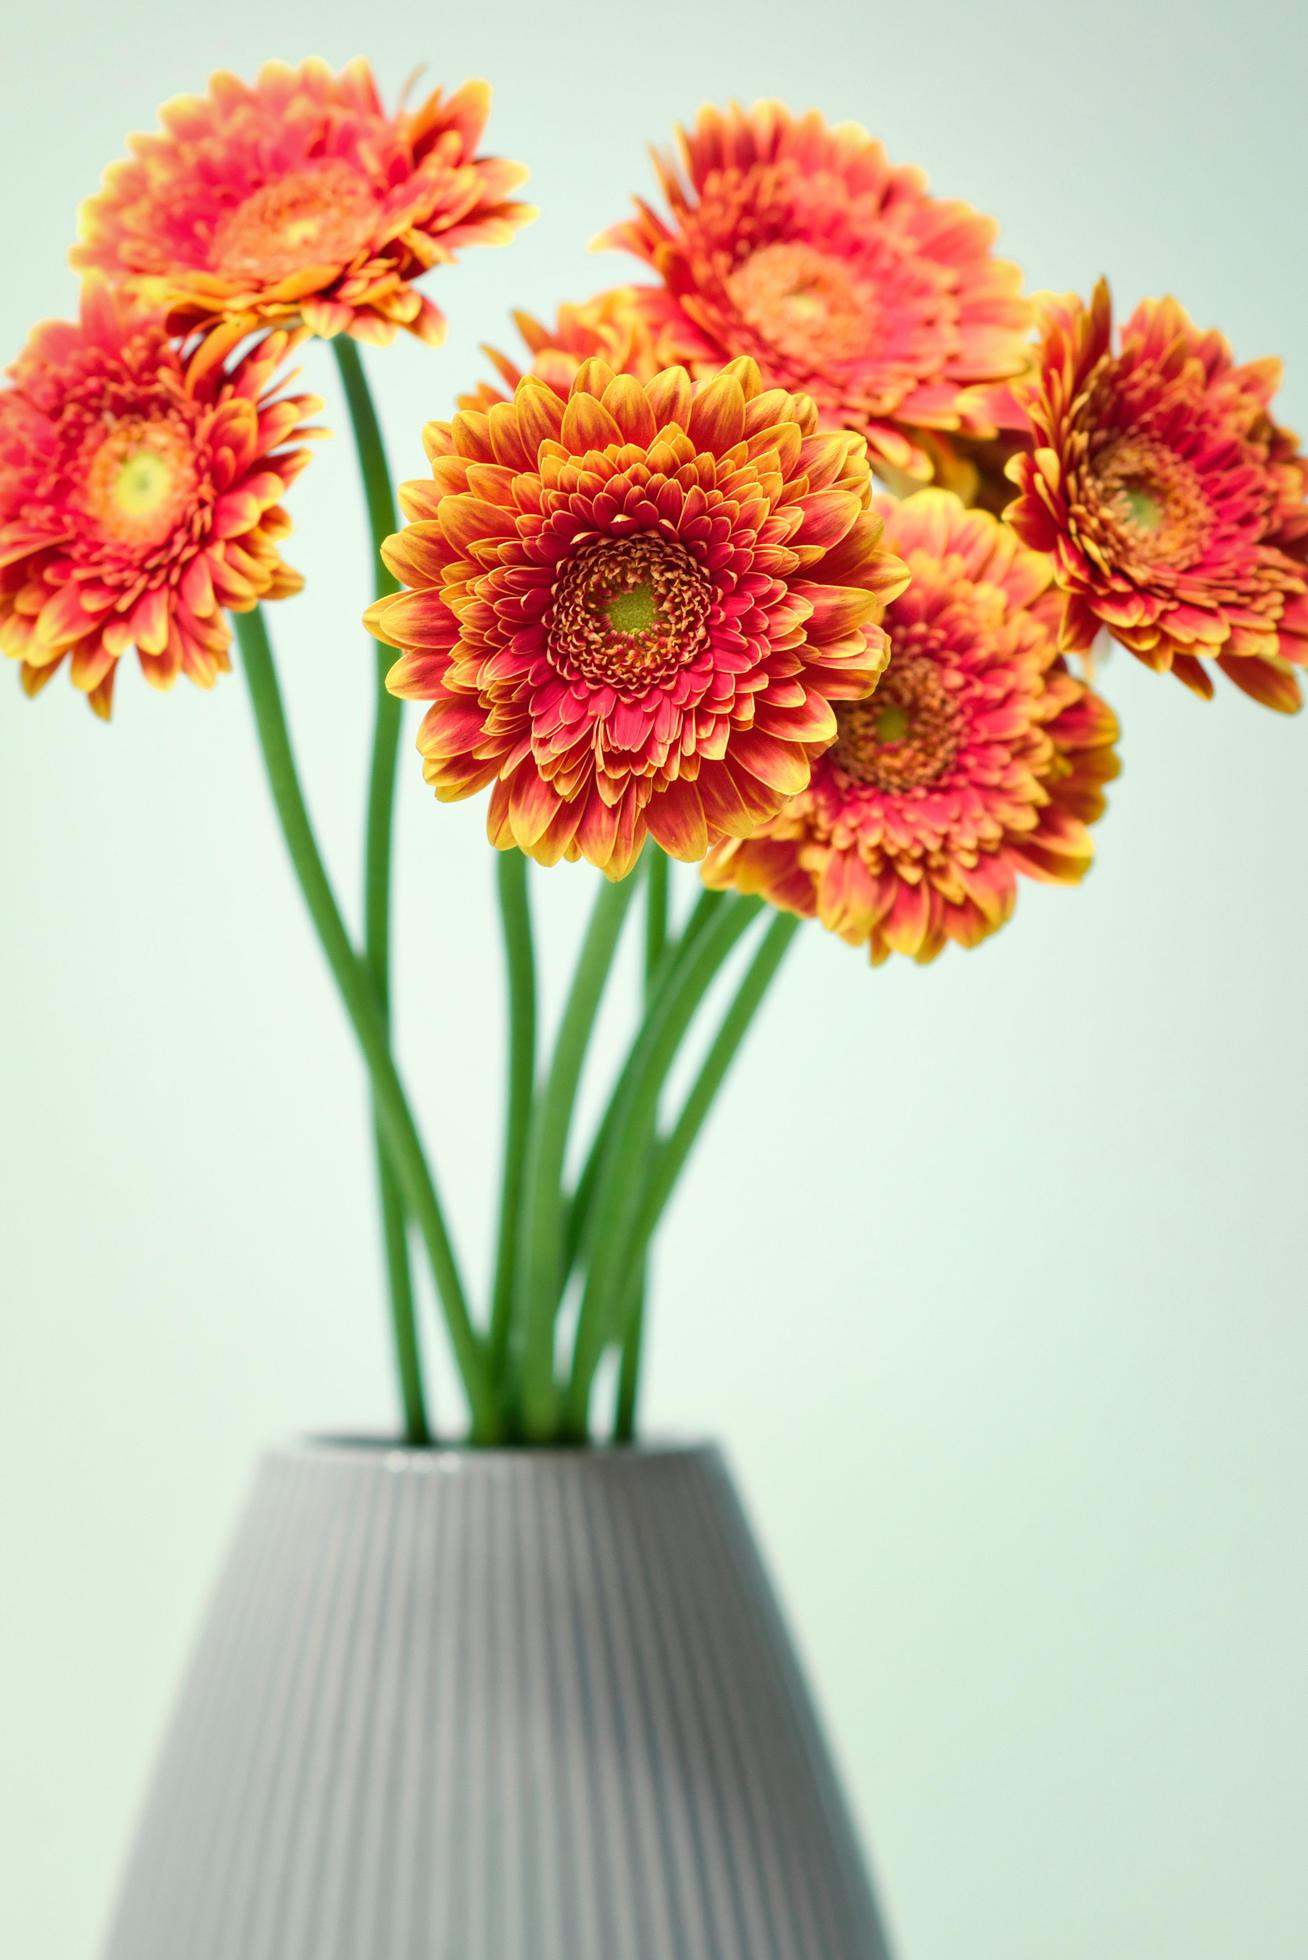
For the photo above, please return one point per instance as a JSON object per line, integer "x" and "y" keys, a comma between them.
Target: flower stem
{"x": 656, "y": 947}
{"x": 671, "y": 1156}
{"x": 520, "y": 967}
{"x": 656, "y": 913}
{"x": 354, "y": 983}
{"x": 619, "y": 1189}
{"x": 541, "y": 1265}
{"x": 404, "y": 1320}
{"x": 387, "y": 718}
{"x": 579, "y": 1210}
{"x": 633, "y": 1341}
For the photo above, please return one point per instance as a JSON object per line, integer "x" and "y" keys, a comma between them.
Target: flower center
{"x": 1146, "y": 511}
{"x": 803, "y": 302}
{"x": 632, "y": 611}
{"x": 323, "y": 214}
{"x": 1152, "y": 499}
{"x": 907, "y": 735}
{"x": 139, "y": 480}
{"x": 628, "y": 612}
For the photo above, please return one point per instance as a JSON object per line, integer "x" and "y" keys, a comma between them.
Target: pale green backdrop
{"x": 1013, "y": 1247}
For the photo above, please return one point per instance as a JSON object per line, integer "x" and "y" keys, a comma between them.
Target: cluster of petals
{"x": 1171, "y": 502}
{"x": 298, "y": 197}
{"x": 631, "y": 611}
{"x": 616, "y": 326}
{"x": 140, "y": 495}
{"x": 980, "y": 758}
{"x": 800, "y": 244}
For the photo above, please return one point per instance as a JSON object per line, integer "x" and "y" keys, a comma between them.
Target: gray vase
{"x": 494, "y": 1706}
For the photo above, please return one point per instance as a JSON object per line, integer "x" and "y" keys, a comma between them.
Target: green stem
{"x": 387, "y": 719}
{"x": 656, "y": 946}
{"x": 620, "y": 1184}
{"x": 772, "y": 949}
{"x": 354, "y": 983}
{"x": 382, "y": 521}
{"x": 722, "y": 1051}
{"x": 399, "y": 1281}
{"x": 520, "y": 967}
{"x": 656, "y": 914}
{"x": 702, "y": 913}
{"x": 624, "y": 1422}
{"x": 671, "y": 1157}
{"x": 541, "y": 1268}
{"x": 579, "y": 1211}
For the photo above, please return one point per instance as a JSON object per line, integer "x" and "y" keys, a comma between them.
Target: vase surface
{"x": 532, "y": 1705}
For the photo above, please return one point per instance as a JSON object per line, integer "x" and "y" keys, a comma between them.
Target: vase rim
{"x": 392, "y": 1453}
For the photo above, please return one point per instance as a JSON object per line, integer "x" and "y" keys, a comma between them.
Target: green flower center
{"x": 1148, "y": 498}
{"x": 906, "y": 737}
{"x": 1146, "y": 509}
{"x": 628, "y": 612}
{"x": 143, "y": 482}
{"x": 893, "y": 722}
{"x": 633, "y": 611}
{"x": 140, "y": 478}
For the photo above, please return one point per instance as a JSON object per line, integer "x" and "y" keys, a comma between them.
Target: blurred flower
{"x": 300, "y": 198}
{"x": 979, "y": 758}
{"x": 632, "y": 611}
{"x": 802, "y": 245}
{"x": 975, "y": 467}
{"x": 615, "y": 326}
{"x": 139, "y": 496}
{"x": 1172, "y": 503}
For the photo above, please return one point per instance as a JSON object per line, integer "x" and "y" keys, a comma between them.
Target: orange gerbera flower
{"x": 802, "y": 245}
{"x": 614, "y": 327}
{"x": 1172, "y": 503}
{"x": 299, "y": 198}
{"x": 632, "y": 611}
{"x": 139, "y": 495}
{"x": 980, "y": 758}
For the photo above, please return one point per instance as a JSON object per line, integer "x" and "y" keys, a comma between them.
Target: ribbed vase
{"x": 494, "y": 1706}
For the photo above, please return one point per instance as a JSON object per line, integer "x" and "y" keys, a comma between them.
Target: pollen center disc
{"x": 324, "y": 213}
{"x": 906, "y": 736}
{"x": 628, "y": 612}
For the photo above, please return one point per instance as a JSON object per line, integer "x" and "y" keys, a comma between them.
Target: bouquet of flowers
{"x": 790, "y": 561}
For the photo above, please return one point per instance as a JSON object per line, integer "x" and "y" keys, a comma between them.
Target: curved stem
{"x": 579, "y": 1211}
{"x": 387, "y": 720}
{"x": 541, "y": 1269}
{"x": 702, "y": 912}
{"x": 671, "y": 1157}
{"x": 656, "y": 946}
{"x": 772, "y": 949}
{"x": 520, "y": 967}
{"x": 354, "y": 983}
{"x": 620, "y": 1185}
{"x": 382, "y": 521}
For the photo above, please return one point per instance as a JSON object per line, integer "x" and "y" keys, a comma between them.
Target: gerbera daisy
{"x": 980, "y": 758}
{"x": 632, "y": 611}
{"x": 614, "y": 327}
{"x": 140, "y": 495}
{"x": 1171, "y": 502}
{"x": 802, "y": 245}
{"x": 300, "y": 198}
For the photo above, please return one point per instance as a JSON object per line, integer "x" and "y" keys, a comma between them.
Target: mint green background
{"x": 991, "y": 1276}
